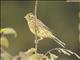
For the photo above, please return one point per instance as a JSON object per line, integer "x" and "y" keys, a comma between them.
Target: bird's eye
{"x": 31, "y": 17}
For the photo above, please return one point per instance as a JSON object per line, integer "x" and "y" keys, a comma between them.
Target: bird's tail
{"x": 59, "y": 41}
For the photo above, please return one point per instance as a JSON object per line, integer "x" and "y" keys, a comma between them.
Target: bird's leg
{"x": 36, "y": 41}
{"x": 36, "y": 45}
{"x": 40, "y": 39}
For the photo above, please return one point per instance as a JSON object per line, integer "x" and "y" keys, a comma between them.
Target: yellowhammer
{"x": 38, "y": 28}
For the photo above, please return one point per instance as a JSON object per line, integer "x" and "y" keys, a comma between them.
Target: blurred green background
{"x": 60, "y": 17}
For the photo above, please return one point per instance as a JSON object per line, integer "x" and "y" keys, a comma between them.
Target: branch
{"x": 64, "y": 51}
{"x": 35, "y": 12}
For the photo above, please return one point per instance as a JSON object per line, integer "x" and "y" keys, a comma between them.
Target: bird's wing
{"x": 41, "y": 24}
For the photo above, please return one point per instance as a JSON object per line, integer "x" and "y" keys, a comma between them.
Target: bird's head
{"x": 29, "y": 16}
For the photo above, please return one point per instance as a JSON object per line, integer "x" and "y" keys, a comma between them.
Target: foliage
{"x": 6, "y": 31}
{"x": 4, "y": 42}
{"x": 31, "y": 53}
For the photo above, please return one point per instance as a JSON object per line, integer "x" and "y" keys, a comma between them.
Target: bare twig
{"x": 64, "y": 51}
{"x": 35, "y": 10}
{"x": 36, "y": 39}
{"x": 51, "y": 50}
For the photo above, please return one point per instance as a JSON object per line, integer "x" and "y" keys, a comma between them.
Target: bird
{"x": 38, "y": 28}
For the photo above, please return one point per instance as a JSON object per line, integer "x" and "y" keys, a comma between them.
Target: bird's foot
{"x": 40, "y": 39}
{"x": 36, "y": 41}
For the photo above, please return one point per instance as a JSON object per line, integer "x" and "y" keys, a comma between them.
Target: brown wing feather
{"x": 41, "y": 24}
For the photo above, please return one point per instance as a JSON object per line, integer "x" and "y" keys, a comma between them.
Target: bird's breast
{"x": 32, "y": 26}
{"x": 35, "y": 27}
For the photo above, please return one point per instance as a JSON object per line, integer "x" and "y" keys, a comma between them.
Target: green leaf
{"x": 5, "y": 31}
{"x": 4, "y": 42}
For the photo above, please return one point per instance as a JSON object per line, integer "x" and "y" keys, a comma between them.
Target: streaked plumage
{"x": 42, "y": 30}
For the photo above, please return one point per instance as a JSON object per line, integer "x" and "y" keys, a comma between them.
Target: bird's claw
{"x": 36, "y": 41}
